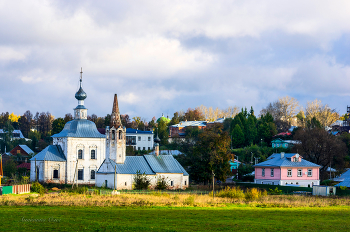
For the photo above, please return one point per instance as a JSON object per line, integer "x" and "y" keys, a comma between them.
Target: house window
{"x": 300, "y": 172}
{"x": 149, "y": 138}
{"x": 144, "y": 148}
{"x": 80, "y": 174}
{"x": 272, "y": 172}
{"x": 309, "y": 172}
{"x": 139, "y": 148}
{"x": 295, "y": 159}
{"x": 120, "y": 135}
{"x": 80, "y": 154}
{"x": 125, "y": 184}
{"x": 139, "y": 138}
{"x": 171, "y": 183}
{"x": 185, "y": 183}
{"x": 18, "y": 151}
{"x": 263, "y": 172}
{"x": 289, "y": 172}
{"x": 55, "y": 174}
{"x": 149, "y": 148}
{"x": 92, "y": 177}
{"x": 113, "y": 134}
{"x": 93, "y": 154}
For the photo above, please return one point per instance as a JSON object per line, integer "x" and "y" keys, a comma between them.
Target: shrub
{"x": 234, "y": 192}
{"x": 343, "y": 187}
{"x": 162, "y": 184}
{"x": 252, "y": 194}
{"x": 38, "y": 188}
{"x": 275, "y": 191}
{"x": 141, "y": 181}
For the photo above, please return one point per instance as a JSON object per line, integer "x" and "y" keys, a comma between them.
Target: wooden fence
{"x": 16, "y": 189}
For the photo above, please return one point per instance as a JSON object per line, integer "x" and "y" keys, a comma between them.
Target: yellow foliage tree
{"x": 13, "y": 117}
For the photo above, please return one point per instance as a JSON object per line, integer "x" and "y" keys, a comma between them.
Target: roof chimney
{"x": 282, "y": 155}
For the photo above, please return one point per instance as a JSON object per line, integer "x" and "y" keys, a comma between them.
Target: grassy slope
{"x": 173, "y": 219}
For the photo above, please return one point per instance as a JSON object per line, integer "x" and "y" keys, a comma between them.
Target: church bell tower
{"x": 116, "y": 136}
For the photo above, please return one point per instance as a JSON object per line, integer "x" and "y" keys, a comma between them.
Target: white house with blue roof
{"x": 139, "y": 140}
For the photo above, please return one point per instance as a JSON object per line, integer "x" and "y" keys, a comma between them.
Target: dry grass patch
{"x": 254, "y": 199}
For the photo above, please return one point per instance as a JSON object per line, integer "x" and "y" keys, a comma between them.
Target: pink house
{"x": 287, "y": 169}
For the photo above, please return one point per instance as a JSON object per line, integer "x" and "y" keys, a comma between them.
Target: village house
{"x": 287, "y": 169}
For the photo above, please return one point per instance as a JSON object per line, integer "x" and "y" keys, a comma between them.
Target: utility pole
{"x": 1, "y": 172}
{"x": 251, "y": 158}
{"x": 237, "y": 167}
{"x": 36, "y": 172}
{"x": 213, "y": 184}
{"x": 115, "y": 173}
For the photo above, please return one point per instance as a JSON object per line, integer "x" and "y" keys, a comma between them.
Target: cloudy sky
{"x": 166, "y": 56}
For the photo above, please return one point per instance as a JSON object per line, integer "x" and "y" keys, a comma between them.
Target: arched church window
{"x": 113, "y": 134}
{"x": 120, "y": 134}
{"x": 80, "y": 154}
{"x": 93, "y": 154}
{"x": 93, "y": 174}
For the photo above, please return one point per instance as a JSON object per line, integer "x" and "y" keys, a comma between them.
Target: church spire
{"x": 80, "y": 112}
{"x": 115, "y": 117}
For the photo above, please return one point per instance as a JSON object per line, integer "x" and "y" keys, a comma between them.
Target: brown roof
{"x": 24, "y": 165}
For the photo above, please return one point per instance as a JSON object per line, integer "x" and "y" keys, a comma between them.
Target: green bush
{"x": 252, "y": 194}
{"x": 162, "y": 184}
{"x": 343, "y": 187}
{"x": 38, "y": 188}
{"x": 141, "y": 181}
{"x": 234, "y": 192}
{"x": 275, "y": 191}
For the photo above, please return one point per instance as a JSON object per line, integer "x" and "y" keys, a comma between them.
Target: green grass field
{"x": 60, "y": 218}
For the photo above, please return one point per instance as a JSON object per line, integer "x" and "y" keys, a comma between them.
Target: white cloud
{"x": 11, "y": 54}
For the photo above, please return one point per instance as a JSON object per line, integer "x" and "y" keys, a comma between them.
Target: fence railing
{"x": 15, "y": 189}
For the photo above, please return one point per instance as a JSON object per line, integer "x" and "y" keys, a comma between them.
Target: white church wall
{"x": 86, "y": 163}
{"x": 176, "y": 179}
{"x": 101, "y": 179}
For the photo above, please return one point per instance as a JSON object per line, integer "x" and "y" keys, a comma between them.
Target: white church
{"x": 81, "y": 154}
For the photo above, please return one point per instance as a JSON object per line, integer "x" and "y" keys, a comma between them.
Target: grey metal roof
{"x": 80, "y": 107}
{"x": 26, "y": 149}
{"x": 148, "y": 164}
{"x": 345, "y": 183}
{"x": 79, "y": 128}
{"x": 164, "y": 164}
{"x": 167, "y": 152}
{"x": 343, "y": 177}
{"x": 135, "y": 131}
{"x": 19, "y": 132}
{"x": 131, "y": 165}
{"x": 275, "y": 161}
{"x": 190, "y": 123}
{"x": 50, "y": 153}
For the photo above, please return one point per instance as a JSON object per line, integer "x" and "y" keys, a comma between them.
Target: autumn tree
{"x": 125, "y": 119}
{"x": 193, "y": 115}
{"x": 68, "y": 117}
{"x": 211, "y": 153}
{"x": 283, "y": 112}
{"x": 323, "y": 113}
{"x": 320, "y": 147}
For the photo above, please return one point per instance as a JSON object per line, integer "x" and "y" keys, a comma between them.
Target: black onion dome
{"x": 80, "y": 95}
{"x": 157, "y": 140}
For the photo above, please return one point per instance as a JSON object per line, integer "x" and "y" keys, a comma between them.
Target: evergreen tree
{"x": 237, "y": 137}
{"x": 251, "y": 131}
{"x": 57, "y": 125}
